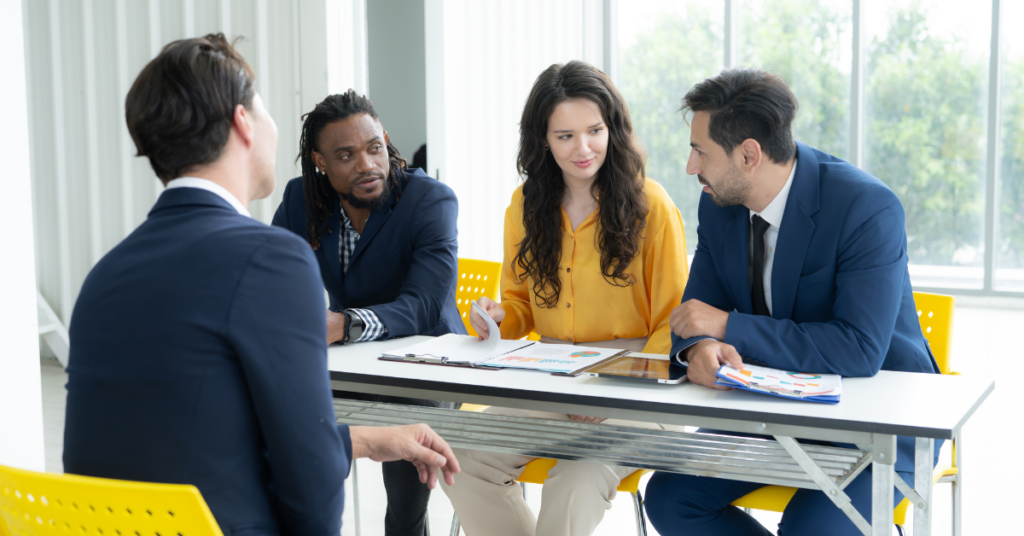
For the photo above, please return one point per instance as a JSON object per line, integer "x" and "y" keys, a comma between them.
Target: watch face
{"x": 356, "y": 327}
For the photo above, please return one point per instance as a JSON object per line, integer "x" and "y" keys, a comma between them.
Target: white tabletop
{"x": 899, "y": 403}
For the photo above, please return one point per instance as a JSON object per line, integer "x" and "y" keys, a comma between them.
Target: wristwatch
{"x": 354, "y": 326}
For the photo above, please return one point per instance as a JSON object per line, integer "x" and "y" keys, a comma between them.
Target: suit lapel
{"x": 795, "y": 233}
{"x": 737, "y": 257}
{"x": 376, "y": 221}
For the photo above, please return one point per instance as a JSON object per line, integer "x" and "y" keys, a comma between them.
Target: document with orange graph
{"x": 467, "y": 351}
{"x": 825, "y": 388}
{"x": 564, "y": 359}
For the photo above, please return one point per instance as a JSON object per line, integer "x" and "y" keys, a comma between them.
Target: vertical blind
{"x": 89, "y": 188}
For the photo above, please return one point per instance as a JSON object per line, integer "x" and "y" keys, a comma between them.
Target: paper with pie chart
{"x": 796, "y": 385}
{"x": 558, "y": 358}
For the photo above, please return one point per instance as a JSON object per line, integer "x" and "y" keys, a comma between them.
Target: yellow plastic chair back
{"x": 34, "y": 503}
{"x": 935, "y": 313}
{"x": 476, "y": 278}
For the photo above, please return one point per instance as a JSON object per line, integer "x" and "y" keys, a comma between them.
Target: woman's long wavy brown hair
{"x": 618, "y": 187}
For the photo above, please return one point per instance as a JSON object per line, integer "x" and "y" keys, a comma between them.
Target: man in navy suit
{"x": 198, "y": 351}
{"x": 801, "y": 264}
{"x": 385, "y": 238}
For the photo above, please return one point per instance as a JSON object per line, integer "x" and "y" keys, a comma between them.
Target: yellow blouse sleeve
{"x": 515, "y": 294}
{"x": 666, "y": 270}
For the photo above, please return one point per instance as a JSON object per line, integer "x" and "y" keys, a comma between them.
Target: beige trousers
{"x": 575, "y": 495}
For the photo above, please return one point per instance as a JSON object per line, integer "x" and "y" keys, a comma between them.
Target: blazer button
{"x": 568, "y": 269}
{"x": 567, "y": 305}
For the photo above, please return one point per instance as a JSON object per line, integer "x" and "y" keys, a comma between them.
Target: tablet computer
{"x": 639, "y": 368}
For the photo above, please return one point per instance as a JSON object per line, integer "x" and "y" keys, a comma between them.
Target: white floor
{"x": 984, "y": 343}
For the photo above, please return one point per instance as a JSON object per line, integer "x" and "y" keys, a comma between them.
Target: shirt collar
{"x": 210, "y": 186}
{"x": 774, "y": 211}
{"x": 346, "y": 222}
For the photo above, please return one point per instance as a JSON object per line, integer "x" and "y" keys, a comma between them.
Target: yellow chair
{"x": 935, "y": 313}
{"x": 34, "y": 503}
{"x": 536, "y": 472}
{"x": 478, "y": 278}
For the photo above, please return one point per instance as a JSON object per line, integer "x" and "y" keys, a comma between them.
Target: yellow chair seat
{"x": 36, "y": 503}
{"x": 536, "y": 472}
{"x": 768, "y": 498}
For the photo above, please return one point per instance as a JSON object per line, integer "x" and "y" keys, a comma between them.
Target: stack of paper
{"x": 825, "y": 388}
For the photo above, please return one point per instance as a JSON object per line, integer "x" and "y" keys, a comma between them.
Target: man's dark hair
{"x": 180, "y": 108}
{"x": 319, "y": 193}
{"x": 747, "y": 104}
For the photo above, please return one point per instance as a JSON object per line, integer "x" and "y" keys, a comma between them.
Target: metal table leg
{"x": 882, "y": 481}
{"x": 355, "y": 498}
{"x": 923, "y": 485}
{"x": 958, "y": 482}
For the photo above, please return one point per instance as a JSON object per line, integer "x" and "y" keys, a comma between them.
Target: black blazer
{"x": 198, "y": 357}
{"x": 405, "y": 264}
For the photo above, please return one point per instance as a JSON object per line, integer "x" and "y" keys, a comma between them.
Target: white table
{"x": 873, "y": 411}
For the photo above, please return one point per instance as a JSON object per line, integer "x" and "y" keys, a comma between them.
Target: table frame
{"x": 878, "y": 441}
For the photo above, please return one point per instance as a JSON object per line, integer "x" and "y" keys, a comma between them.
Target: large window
{"x": 1009, "y": 243}
{"x": 807, "y": 42}
{"x": 665, "y": 47}
{"x": 925, "y": 96}
{"x": 901, "y": 88}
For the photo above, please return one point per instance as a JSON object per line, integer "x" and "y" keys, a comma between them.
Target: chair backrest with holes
{"x": 43, "y": 503}
{"x": 476, "y": 278}
{"x": 935, "y": 312}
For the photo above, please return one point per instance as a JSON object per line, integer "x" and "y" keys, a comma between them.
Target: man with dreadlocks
{"x": 385, "y": 239}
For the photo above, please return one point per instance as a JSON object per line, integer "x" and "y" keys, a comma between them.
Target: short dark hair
{"x": 180, "y": 108}
{"x": 316, "y": 187}
{"x": 745, "y": 104}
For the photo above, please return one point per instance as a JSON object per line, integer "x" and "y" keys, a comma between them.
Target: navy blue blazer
{"x": 842, "y": 302}
{"x": 198, "y": 357}
{"x": 405, "y": 264}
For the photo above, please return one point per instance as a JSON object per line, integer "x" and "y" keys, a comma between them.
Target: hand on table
{"x": 417, "y": 443}
{"x": 493, "y": 309}
{"x": 584, "y": 418}
{"x": 335, "y": 326}
{"x": 694, "y": 318}
{"x": 706, "y": 357}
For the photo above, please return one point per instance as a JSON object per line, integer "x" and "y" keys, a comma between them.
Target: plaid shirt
{"x": 375, "y": 329}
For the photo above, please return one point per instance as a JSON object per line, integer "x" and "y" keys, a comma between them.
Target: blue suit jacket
{"x": 406, "y": 260}
{"x": 841, "y": 296}
{"x": 198, "y": 357}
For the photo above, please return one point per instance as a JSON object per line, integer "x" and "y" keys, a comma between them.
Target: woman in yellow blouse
{"x": 594, "y": 254}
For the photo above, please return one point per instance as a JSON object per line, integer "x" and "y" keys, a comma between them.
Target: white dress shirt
{"x": 210, "y": 186}
{"x": 773, "y": 215}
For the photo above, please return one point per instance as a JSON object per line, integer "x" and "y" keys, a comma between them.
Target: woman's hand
{"x": 493, "y": 309}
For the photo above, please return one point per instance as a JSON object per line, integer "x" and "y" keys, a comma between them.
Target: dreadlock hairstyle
{"x": 618, "y": 187}
{"x": 319, "y": 193}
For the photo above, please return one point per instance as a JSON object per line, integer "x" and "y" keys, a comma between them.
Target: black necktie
{"x": 757, "y": 280}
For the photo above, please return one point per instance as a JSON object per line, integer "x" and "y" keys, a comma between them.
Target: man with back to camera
{"x": 801, "y": 264}
{"x": 198, "y": 350}
{"x": 385, "y": 238}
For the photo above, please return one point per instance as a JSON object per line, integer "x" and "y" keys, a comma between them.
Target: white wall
{"x": 397, "y": 71}
{"x": 90, "y": 189}
{"x": 21, "y": 409}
